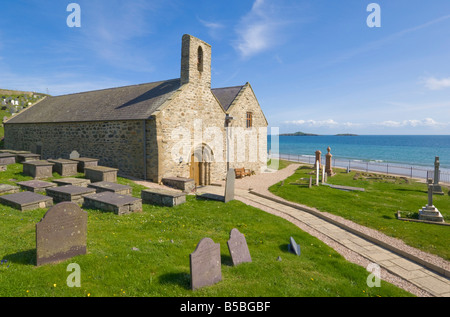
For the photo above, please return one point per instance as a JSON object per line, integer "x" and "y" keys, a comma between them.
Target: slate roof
{"x": 123, "y": 103}
{"x": 136, "y": 102}
{"x": 226, "y": 95}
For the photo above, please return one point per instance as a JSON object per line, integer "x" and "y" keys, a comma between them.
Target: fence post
{"x": 387, "y": 168}
{"x": 411, "y": 171}
{"x": 367, "y": 167}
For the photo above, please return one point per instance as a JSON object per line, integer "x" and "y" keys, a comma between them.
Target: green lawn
{"x": 376, "y": 207}
{"x": 164, "y": 238}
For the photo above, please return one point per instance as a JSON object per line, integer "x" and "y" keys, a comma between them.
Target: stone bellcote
{"x": 195, "y": 61}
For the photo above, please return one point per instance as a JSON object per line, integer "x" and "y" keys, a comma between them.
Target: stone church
{"x": 171, "y": 128}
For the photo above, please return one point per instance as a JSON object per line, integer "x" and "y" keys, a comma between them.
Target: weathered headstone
{"x": 74, "y": 155}
{"x": 237, "y": 245}
{"x": 205, "y": 264}
{"x": 328, "y": 167}
{"x": 294, "y": 247}
{"x": 318, "y": 159}
{"x": 61, "y": 234}
{"x": 229, "y": 185}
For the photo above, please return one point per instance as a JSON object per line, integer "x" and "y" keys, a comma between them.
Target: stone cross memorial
{"x": 61, "y": 234}
{"x": 237, "y": 245}
{"x": 430, "y": 212}
{"x": 205, "y": 264}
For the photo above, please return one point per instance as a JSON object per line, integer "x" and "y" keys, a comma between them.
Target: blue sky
{"x": 314, "y": 65}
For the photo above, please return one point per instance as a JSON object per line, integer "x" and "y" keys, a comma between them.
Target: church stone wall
{"x": 117, "y": 144}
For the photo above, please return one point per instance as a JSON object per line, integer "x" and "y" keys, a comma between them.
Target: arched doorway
{"x": 200, "y": 165}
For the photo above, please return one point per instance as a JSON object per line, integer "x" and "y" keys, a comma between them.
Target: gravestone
{"x": 35, "y": 185}
{"x": 430, "y": 212}
{"x": 205, "y": 264}
{"x": 64, "y": 167}
{"x": 8, "y": 189}
{"x": 38, "y": 169}
{"x": 84, "y": 162}
{"x": 437, "y": 189}
{"x": 237, "y": 245}
{"x": 318, "y": 159}
{"x": 229, "y": 185}
{"x": 101, "y": 174}
{"x": 70, "y": 193}
{"x": 163, "y": 197}
{"x": 74, "y": 155}
{"x": 111, "y": 187}
{"x": 328, "y": 167}
{"x": 72, "y": 181}
{"x": 294, "y": 247}
{"x": 7, "y": 158}
{"x": 26, "y": 201}
{"x": 61, "y": 234}
{"x": 109, "y": 201}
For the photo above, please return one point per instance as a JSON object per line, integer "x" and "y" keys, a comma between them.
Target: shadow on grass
{"x": 181, "y": 279}
{"x": 411, "y": 190}
{"x": 226, "y": 260}
{"x": 27, "y": 257}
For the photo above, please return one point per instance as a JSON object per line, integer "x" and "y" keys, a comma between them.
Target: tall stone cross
{"x": 430, "y": 192}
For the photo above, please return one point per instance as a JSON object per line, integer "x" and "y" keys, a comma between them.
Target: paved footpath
{"x": 423, "y": 278}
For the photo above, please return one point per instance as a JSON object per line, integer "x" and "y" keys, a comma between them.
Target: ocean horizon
{"x": 415, "y": 150}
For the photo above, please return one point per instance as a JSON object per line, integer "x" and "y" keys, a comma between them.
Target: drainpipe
{"x": 145, "y": 149}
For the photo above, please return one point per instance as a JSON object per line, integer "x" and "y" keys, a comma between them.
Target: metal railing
{"x": 412, "y": 171}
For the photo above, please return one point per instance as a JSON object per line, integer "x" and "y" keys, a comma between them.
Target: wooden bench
{"x": 241, "y": 172}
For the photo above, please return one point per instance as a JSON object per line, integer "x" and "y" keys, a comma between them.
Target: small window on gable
{"x": 249, "y": 119}
{"x": 200, "y": 59}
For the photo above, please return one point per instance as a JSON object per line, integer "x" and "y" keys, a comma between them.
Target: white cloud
{"x": 260, "y": 29}
{"x": 428, "y": 122}
{"x": 437, "y": 84}
{"x": 213, "y": 27}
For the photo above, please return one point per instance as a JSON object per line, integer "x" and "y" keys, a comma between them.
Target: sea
{"x": 418, "y": 151}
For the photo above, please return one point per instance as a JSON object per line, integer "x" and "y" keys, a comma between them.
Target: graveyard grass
{"x": 147, "y": 254}
{"x": 376, "y": 207}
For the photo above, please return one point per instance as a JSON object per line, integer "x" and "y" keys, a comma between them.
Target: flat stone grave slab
{"x": 101, "y": 174}
{"x": 7, "y": 158}
{"x": 38, "y": 169}
{"x": 108, "y": 201}
{"x": 237, "y": 245}
{"x": 205, "y": 264}
{"x": 61, "y": 234}
{"x": 64, "y": 167}
{"x": 84, "y": 162}
{"x": 187, "y": 185}
{"x": 111, "y": 187}
{"x": 69, "y": 193}
{"x": 72, "y": 181}
{"x": 27, "y": 157}
{"x": 163, "y": 197}
{"x": 26, "y": 201}
{"x": 36, "y": 185}
{"x": 8, "y": 189}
